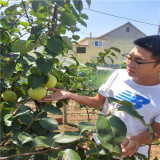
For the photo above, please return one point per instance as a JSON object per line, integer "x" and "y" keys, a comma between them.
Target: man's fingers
{"x": 124, "y": 143}
{"x": 46, "y": 100}
{"x": 51, "y": 89}
{"x": 133, "y": 151}
{"x": 130, "y": 152}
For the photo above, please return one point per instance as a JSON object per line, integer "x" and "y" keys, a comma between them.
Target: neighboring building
{"x": 121, "y": 38}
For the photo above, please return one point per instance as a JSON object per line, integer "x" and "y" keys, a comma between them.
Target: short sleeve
{"x": 157, "y": 118}
{"x": 104, "y": 88}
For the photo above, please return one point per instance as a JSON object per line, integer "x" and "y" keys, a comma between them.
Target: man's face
{"x": 139, "y": 68}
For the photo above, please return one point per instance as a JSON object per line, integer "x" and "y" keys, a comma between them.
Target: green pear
{"x": 9, "y": 96}
{"x": 38, "y": 93}
{"x": 52, "y": 81}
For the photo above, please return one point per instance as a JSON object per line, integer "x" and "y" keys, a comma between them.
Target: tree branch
{"x": 30, "y": 22}
{"x": 64, "y": 59}
{"x": 14, "y": 22}
{"x": 18, "y": 38}
{"x": 4, "y": 5}
{"x": 54, "y": 20}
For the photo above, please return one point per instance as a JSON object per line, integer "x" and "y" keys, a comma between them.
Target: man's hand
{"x": 57, "y": 95}
{"x": 129, "y": 147}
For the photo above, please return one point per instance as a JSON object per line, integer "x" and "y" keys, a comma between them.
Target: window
{"x": 81, "y": 50}
{"x": 98, "y": 43}
{"x": 127, "y": 29}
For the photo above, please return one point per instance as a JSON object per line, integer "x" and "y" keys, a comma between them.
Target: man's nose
{"x": 131, "y": 63}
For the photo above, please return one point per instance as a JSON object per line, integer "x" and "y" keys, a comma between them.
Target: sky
{"x": 100, "y": 23}
{"x": 100, "y": 20}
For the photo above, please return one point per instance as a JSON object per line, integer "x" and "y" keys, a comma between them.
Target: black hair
{"x": 150, "y": 43}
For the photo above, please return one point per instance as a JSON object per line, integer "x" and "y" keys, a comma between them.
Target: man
{"x": 139, "y": 84}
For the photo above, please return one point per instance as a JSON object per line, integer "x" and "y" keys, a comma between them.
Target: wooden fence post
{"x": 64, "y": 113}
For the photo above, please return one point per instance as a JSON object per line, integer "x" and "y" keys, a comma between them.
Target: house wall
{"x": 122, "y": 40}
{"x": 118, "y": 38}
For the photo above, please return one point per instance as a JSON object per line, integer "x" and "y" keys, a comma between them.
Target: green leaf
{"x": 9, "y": 104}
{"x": 116, "y": 49}
{"x": 81, "y": 21}
{"x": 26, "y": 118}
{"x": 51, "y": 109}
{"x": 44, "y": 3}
{"x": 19, "y": 45}
{"x": 78, "y": 5}
{"x": 5, "y": 38}
{"x": 22, "y": 47}
{"x": 113, "y": 54}
{"x": 110, "y": 59}
{"x": 4, "y": 112}
{"x": 151, "y": 131}
{"x": 4, "y": 3}
{"x": 97, "y": 151}
{"x": 25, "y": 148}
{"x": 125, "y": 103}
{"x": 25, "y": 137}
{"x": 23, "y": 110}
{"x": 88, "y": 2}
{"x": 132, "y": 112}
{"x": 76, "y": 37}
{"x": 16, "y": 123}
{"x": 11, "y": 9}
{"x": 86, "y": 126}
{"x": 35, "y": 80}
{"x": 8, "y": 69}
{"x": 111, "y": 130}
{"x": 35, "y": 126}
{"x": 7, "y": 119}
{"x": 107, "y": 51}
{"x": 15, "y": 139}
{"x": 113, "y": 149}
{"x": 60, "y": 2}
{"x": 68, "y": 19}
{"x": 59, "y": 104}
{"x": 36, "y": 4}
{"x": 51, "y": 134}
{"x": 67, "y": 41}
{"x": 101, "y": 54}
{"x": 85, "y": 16}
{"x": 25, "y": 24}
{"x": 42, "y": 141}
{"x": 71, "y": 154}
{"x": 55, "y": 45}
{"x": 28, "y": 57}
{"x": 49, "y": 123}
{"x": 67, "y": 137}
{"x": 44, "y": 65}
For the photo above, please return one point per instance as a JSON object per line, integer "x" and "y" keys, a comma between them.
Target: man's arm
{"x": 59, "y": 94}
{"x": 131, "y": 144}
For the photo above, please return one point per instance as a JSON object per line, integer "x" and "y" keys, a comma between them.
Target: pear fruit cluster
{"x": 40, "y": 92}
